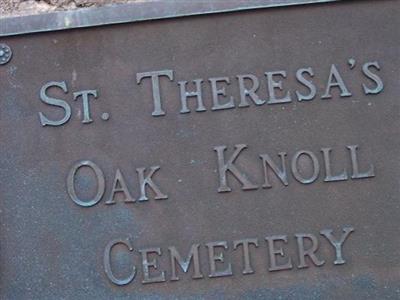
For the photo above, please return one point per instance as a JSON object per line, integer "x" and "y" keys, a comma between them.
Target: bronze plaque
{"x": 241, "y": 155}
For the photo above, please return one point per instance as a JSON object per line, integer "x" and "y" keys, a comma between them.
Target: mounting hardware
{"x": 5, "y": 54}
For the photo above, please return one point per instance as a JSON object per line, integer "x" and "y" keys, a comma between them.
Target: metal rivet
{"x": 5, "y": 54}
{"x": 105, "y": 116}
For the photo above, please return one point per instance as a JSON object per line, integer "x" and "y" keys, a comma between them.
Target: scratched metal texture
{"x": 50, "y": 248}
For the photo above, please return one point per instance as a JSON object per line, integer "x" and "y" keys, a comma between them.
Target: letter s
{"x": 54, "y": 102}
{"x": 375, "y": 78}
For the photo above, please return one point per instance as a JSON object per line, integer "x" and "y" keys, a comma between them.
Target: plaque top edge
{"x": 133, "y": 12}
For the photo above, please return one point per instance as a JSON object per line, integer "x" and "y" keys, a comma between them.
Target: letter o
{"x": 100, "y": 183}
{"x": 296, "y": 172}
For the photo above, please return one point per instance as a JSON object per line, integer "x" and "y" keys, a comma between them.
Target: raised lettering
{"x": 279, "y": 172}
{"x": 185, "y": 95}
{"x": 272, "y": 85}
{"x": 146, "y": 264}
{"x": 335, "y": 80}
{"x": 155, "y": 86}
{"x": 354, "y": 162}
{"x": 273, "y": 252}
{"x": 148, "y": 181}
{"x": 251, "y": 92}
{"x": 184, "y": 264}
{"x": 54, "y": 102}
{"x": 328, "y": 168}
{"x": 327, "y": 233}
{"x": 119, "y": 186}
{"x": 296, "y": 172}
{"x": 310, "y": 252}
{"x": 216, "y": 92}
{"x": 247, "y": 269}
{"x": 213, "y": 258}
{"x": 307, "y": 83}
{"x": 373, "y": 77}
{"x": 100, "y": 183}
{"x": 107, "y": 262}
{"x": 85, "y": 102}
{"x": 229, "y": 166}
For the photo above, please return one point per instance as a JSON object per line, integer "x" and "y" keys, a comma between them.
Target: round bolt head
{"x": 5, "y": 54}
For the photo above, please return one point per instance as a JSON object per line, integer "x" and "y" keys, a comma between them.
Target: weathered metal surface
{"x": 65, "y": 234}
{"x": 134, "y": 12}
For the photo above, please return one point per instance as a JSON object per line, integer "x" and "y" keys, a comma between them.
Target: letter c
{"x": 107, "y": 262}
